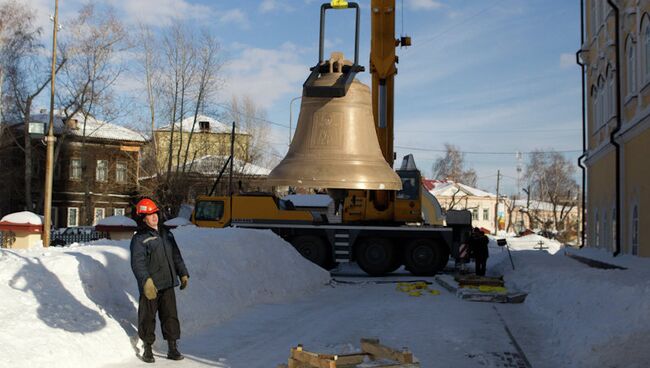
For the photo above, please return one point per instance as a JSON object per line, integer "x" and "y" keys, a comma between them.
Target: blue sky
{"x": 486, "y": 76}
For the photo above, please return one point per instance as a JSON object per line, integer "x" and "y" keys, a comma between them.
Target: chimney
{"x": 72, "y": 124}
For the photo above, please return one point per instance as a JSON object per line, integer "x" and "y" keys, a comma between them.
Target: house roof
{"x": 212, "y": 164}
{"x": 535, "y": 205}
{"x": 215, "y": 126}
{"x": 448, "y": 188}
{"x": 95, "y": 128}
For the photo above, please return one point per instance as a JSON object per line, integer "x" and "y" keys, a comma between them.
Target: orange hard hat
{"x": 146, "y": 207}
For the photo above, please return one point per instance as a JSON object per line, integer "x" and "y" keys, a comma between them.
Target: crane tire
{"x": 375, "y": 256}
{"x": 313, "y": 248}
{"x": 423, "y": 257}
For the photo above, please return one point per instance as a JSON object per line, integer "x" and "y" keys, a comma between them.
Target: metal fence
{"x": 62, "y": 239}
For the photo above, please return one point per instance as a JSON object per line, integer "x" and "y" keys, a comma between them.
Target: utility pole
{"x": 50, "y": 139}
{"x": 496, "y": 206}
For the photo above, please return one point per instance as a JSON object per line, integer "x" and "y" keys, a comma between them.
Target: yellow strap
{"x": 339, "y": 4}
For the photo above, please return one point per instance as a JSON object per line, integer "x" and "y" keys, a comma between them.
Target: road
{"x": 441, "y": 330}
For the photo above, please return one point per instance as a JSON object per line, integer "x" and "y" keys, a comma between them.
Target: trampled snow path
{"x": 441, "y": 330}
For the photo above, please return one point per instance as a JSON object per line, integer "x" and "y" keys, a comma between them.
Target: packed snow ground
{"x": 251, "y": 297}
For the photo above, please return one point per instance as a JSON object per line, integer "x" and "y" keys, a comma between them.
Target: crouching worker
{"x": 157, "y": 265}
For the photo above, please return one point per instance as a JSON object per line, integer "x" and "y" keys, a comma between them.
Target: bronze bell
{"x": 335, "y": 144}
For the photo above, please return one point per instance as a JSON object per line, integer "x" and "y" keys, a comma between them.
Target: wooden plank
{"x": 350, "y": 359}
{"x": 376, "y": 350}
{"x": 313, "y": 359}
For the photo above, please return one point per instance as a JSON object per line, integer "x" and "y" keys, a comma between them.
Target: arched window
{"x": 631, "y": 66}
{"x": 635, "y": 230}
{"x": 645, "y": 42}
{"x": 611, "y": 95}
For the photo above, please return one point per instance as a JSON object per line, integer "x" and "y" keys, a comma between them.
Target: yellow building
{"x": 605, "y": 130}
{"x": 209, "y": 138}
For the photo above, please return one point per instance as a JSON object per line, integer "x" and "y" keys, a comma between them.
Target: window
{"x": 73, "y": 216}
{"x": 209, "y": 211}
{"x": 120, "y": 172}
{"x": 204, "y": 126}
{"x": 631, "y": 67}
{"x": 102, "y": 170}
{"x": 75, "y": 168}
{"x": 118, "y": 212}
{"x": 486, "y": 214}
{"x": 474, "y": 213}
{"x": 99, "y": 214}
{"x": 635, "y": 230}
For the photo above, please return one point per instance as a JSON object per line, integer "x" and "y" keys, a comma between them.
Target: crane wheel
{"x": 376, "y": 256}
{"x": 313, "y": 248}
{"x": 424, "y": 257}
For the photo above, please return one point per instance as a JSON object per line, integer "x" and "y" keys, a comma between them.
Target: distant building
{"x": 481, "y": 204}
{"x": 209, "y": 137}
{"x": 95, "y": 172}
{"x": 598, "y": 53}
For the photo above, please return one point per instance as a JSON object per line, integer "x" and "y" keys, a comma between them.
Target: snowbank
{"x": 62, "y": 306}
{"x": 24, "y": 217}
{"x": 117, "y": 221}
{"x": 594, "y": 317}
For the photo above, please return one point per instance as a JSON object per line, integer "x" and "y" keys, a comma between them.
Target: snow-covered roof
{"x": 178, "y": 221}
{"x": 212, "y": 164}
{"x": 95, "y": 128}
{"x": 309, "y": 200}
{"x": 448, "y": 188}
{"x": 24, "y": 217}
{"x": 535, "y": 205}
{"x": 214, "y": 125}
{"x": 117, "y": 221}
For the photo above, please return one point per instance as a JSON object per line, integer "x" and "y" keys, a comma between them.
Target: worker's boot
{"x": 147, "y": 356}
{"x": 173, "y": 352}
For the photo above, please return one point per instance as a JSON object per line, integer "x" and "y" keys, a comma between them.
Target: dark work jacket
{"x": 155, "y": 254}
{"x": 478, "y": 245}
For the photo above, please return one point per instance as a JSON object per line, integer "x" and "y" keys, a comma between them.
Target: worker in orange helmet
{"x": 157, "y": 265}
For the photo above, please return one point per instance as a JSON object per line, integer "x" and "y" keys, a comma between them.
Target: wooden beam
{"x": 376, "y": 350}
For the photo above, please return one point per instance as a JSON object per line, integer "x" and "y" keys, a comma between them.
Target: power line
{"x": 483, "y": 152}
{"x": 225, "y": 106}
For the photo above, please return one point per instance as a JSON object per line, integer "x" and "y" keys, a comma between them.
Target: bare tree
{"x": 251, "y": 118}
{"x": 452, "y": 167}
{"x": 182, "y": 71}
{"x": 96, "y": 40}
{"x": 25, "y": 67}
{"x": 551, "y": 178}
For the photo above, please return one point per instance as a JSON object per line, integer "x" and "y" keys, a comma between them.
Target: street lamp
{"x": 291, "y": 115}
{"x": 50, "y": 139}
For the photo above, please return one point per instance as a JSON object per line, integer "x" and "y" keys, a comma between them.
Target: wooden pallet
{"x": 473, "y": 280}
{"x": 371, "y": 349}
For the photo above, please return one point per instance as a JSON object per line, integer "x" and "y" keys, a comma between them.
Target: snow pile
{"x": 117, "y": 221}
{"x": 594, "y": 317}
{"x": 24, "y": 217}
{"x": 77, "y": 306}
